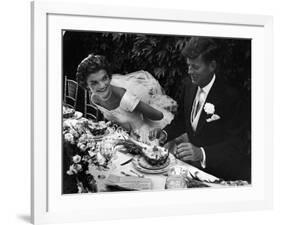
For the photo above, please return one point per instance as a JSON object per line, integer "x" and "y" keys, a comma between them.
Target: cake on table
{"x": 155, "y": 155}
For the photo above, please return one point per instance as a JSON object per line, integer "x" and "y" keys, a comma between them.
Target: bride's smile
{"x": 99, "y": 83}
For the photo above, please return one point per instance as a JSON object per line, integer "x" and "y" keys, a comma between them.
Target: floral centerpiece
{"x": 86, "y": 143}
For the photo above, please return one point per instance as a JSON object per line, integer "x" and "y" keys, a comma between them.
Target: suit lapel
{"x": 190, "y": 95}
{"x": 189, "y": 98}
{"x": 214, "y": 97}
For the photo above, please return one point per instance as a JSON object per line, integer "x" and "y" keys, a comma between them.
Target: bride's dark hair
{"x": 92, "y": 64}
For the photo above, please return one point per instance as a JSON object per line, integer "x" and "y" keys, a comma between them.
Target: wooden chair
{"x": 91, "y": 111}
{"x": 70, "y": 93}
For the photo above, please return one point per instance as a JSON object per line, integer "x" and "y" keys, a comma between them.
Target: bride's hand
{"x": 154, "y": 134}
{"x": 157, "y": 133}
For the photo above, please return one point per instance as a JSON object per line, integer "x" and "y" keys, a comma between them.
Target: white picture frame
{"x": 48, "y": 206}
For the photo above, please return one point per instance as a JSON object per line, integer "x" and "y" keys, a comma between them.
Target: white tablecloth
{"x": 158, "y": 180}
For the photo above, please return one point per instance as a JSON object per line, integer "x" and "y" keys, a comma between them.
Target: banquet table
{"x": 158, "y": 180}
{"x": 123, "y": 165}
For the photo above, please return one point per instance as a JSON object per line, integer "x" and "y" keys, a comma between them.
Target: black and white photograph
{"x": 150, "y": 112}
{"x": 140, "y": 112}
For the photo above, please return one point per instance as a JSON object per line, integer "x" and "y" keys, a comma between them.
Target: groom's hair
{"x": 204, "y": 46}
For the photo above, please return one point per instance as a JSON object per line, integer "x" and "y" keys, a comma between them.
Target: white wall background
{"x": 15, "y": 109}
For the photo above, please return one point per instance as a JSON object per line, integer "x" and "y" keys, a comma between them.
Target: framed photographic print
{"x": 141, "y": 112}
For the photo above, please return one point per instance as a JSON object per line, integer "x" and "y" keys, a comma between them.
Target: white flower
{"x": 209, "y": 108}
{"x": 69, "y": 172}
{"x": 78, "y": 167}
{"x": 83, "y": 147}
{"x": 74, "y": 133}
{"x": 72, "y": 170}
{"x": 69, "y": 137}
{"x": 76, "y": 158}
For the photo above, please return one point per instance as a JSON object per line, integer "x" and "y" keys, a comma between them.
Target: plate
{"x": 144, "y": 164}
{"x": 141, "y": 165}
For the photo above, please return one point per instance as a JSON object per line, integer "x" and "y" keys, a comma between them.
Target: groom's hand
{"x": 188, "y": 152}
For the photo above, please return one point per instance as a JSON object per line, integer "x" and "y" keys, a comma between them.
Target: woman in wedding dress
{"x": 134, "y": 101}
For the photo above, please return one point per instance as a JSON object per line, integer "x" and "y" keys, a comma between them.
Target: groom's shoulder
{"x": 227, "y": 89}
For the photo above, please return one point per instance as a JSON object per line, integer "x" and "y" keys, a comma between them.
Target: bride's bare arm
{"x": 148, "y": 111}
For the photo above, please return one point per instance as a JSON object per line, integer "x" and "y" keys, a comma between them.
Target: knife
{"x": 126, "y": 162}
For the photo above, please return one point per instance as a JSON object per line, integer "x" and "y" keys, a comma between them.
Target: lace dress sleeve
{"x": 129, "y": 102}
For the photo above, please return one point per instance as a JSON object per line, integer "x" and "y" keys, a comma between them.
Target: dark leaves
{"x": 158, "y": 54}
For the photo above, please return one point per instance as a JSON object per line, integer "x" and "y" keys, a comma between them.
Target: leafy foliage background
{"x": 158, "y": 54}
{"x": 161, "y": 56}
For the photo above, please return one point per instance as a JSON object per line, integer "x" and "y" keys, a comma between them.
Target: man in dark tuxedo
{"x": 209, "y": 125}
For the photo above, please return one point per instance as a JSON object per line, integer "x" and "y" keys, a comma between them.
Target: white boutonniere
{"x": 209, "y": 108}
